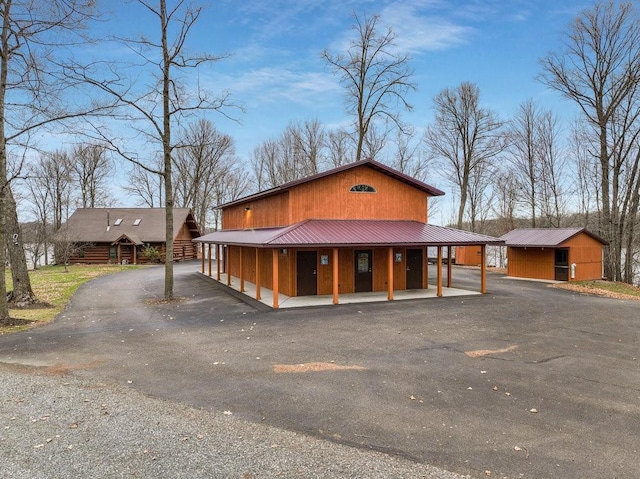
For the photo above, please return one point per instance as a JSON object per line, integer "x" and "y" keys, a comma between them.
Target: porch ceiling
{"x": 346, "y": 233}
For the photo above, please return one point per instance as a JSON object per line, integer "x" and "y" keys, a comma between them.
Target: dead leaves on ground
{"x": 313, "y": 367}
{"x": 487, "y": 352}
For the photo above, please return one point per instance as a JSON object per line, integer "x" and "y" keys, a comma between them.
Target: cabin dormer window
{"x": 362, "y": 188}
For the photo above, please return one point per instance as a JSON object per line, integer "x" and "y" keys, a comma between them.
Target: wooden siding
{"x": 346, "y": 269}
{"x": 539, "y": 263}
{"x": 330, "y": 198}
{"x": 346, "y": 275}
{"x": 269, "y": 211}
{"x": 92, "y": 254}
{"x": 183, "y": 249}
{"x": 286, "y": 267}
{"x": 468, "y": 255}
{"x": 586, "y": 253}
{"x": 325, "y": 272}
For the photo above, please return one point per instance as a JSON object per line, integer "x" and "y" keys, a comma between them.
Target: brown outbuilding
{"x": 358, "y": 228}
{"x": 560, "y": 254}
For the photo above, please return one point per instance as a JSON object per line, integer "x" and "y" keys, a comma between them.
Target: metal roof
{"x": 544, "y": 237}
{"x": 98, "y": 225}
{"x": 333, "y": 233}
{"x": 367, "y": 162}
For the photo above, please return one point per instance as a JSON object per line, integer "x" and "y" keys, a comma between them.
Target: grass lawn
{"x": 53, "y": 285}
{"x": 609, "y": 289}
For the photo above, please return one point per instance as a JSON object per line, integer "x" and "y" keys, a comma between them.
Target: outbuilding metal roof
{"x": 327, "y": 233}
{"x": 544, "y": 237}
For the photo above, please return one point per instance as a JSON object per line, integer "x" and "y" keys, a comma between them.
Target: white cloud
{"x": 271, "y": 84}
{"x": 420, "y": 28}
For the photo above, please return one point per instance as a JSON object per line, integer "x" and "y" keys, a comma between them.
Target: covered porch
{"x": 390, "y": 255}
{"x": 284, "y": 301}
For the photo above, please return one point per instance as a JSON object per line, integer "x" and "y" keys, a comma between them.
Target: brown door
{"x": 414, "y": 269}
{"x": 307, "y": 273}
{"x": 363, "y": 271}
{"x": 562, "y": 265}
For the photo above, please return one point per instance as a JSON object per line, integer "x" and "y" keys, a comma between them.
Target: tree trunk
{"x": 22, "y": 294}
{"x": 4, "y": 67}
{"x": 166, "y": 148}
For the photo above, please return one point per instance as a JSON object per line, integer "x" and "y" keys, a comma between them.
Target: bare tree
{"x": 308, "y": 141}
{"x": 145, "y": 185}
{"x": 537, "y": 163}
{"x": 552, "y": 168}
{"x": 265, "y": 164}
{"x": 524, "y": 156}
{"x": 375, "y": 76}
{"x": 298, "y": 152}
{"x": 586, "y": 183}
{"x": 90, "y": 168}
{"x": 33, "y": 85}
{"x": 22, "y": 294}
{"x": 465, "y": 137}
{"x": 599, "y": 70}
{"x": 505, "y": 191}
{"x": 409, "y": 157}
{"x": 40, "y": 201}
{"x": 200, "y": 164}
{"x": 376, "y": 140}
{"x": 155, "y": 111}
{"x": 338, "y": 144}
{"x": 231, "y": 186}
{"x": 50, "y": 181}
{"x": 53, "y": 172}
{"x": 480, "y": 197}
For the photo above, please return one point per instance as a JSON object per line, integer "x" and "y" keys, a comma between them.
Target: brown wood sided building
{"x": 561, "y": 254}
{"x": 120, "y": 235}
{"x": 357, "y": 228}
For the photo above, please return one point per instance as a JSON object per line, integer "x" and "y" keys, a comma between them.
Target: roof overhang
{"x": 545, "y": 237}
{"x": 349, "y": 233}
{"x": 428, "y": 189}
{"x": 128, "y": 238}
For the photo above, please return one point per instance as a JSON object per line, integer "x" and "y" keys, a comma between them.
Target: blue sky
{"x": 275, "y": 71}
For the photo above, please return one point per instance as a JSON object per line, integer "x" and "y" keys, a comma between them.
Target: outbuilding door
{"x": 562, "y": 265}
{"x": 307, "y": 273}
{"x": 364, "y": 271}
{"x": 414, "y": 269}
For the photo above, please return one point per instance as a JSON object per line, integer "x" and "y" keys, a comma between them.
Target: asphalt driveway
{"x": 526, "y": 381}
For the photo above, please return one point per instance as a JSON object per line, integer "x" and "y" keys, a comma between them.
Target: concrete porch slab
{"x": 284, "y": 301}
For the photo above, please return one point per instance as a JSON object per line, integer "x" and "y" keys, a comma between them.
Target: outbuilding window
{"x": 362, "y": 188}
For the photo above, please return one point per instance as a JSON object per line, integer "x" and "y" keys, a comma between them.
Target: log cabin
{"x": 122, "y": 235}
{"x": 356, "y": 228}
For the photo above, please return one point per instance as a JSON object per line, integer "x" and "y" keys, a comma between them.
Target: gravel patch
{"x": 71, "y": 426}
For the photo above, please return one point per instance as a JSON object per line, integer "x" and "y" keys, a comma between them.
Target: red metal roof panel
{"x": 350, "y": 233}
{"x": 543, "y": 237}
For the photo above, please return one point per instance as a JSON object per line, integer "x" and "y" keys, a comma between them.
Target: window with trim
{"x": 362, "y": 188}
{"x": 113, "y": 252}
